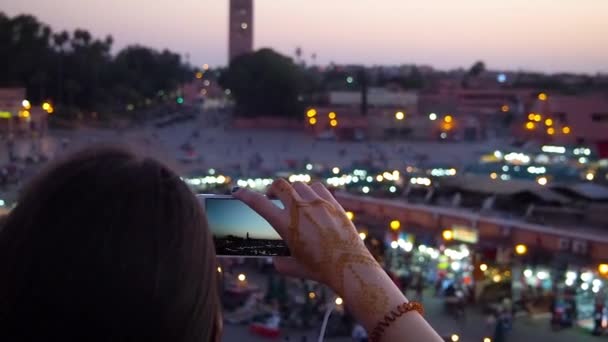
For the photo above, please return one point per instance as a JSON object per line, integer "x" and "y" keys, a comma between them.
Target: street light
{"x": 504, "y": 108}
{"x": 550, "y": 130}
{"x": 530, "y": 125}
{"x": 432, "y": 116}
{"x": 26, "y": 104}
{"x": 311, "y": 112}
{"x": 333, "y": 123}
{"x": 339, "y": 301}
{"x": 521, "y": 249}
{"x": 603, "y": 269}
{"x": 543, "y": 96}
{"x": 350, "y": 215}
{"x": 448, "y": 118}
{"x": 395, "y": 224}
{"x": 399, "y": 115}
{"x": 331, "y": 115}
{"x": 483, "y": 267}
{"x": 242, "y": 277}
{"x": 312, "y": 121}
{"x": 548, "y": 122}
{"x": 362, "y": 235}
{"x": 454, "y": 338}
{"x": 447, "y": 235}
{"x": 566, "y": 130}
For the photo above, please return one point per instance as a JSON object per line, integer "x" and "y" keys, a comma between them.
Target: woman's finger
{"x": 322, "y": 192}
{"x": 281, "y": 189}
{"x": 291, "y": 267}
{"x": 263, "y": 206}
{"x": 305, "y": 191}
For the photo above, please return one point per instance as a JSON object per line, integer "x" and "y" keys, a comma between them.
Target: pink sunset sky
{"x": 542, "y": 35}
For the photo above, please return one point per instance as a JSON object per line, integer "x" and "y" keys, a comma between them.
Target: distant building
{"x": 240, "y": 30}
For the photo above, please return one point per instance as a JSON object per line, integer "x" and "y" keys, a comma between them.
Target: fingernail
{"x": 235, "y": 189}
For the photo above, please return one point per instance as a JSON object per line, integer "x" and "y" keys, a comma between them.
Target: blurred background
{"x": 468, "y": 140}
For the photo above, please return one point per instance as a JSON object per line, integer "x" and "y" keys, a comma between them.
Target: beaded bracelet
{"x": 392, "y": 316}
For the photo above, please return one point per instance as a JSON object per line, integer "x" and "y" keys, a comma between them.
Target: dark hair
{"x": 107, "y": 246}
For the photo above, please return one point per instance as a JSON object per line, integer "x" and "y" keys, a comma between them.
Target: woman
{"x": 108, "y": 246}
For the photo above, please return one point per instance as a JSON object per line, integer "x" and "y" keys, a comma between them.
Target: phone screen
{"x": 238, "y": 230}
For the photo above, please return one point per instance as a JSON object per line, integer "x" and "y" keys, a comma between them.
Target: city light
{"x": 504, "y": 108}
{"x": 339, "y": 301}
{"x": 308, "y": 167}
{"x": 521, "y": 249}
{"x": 550, "y": 130}
{"x": 362, "y": 235}
{"x": 487, "y": 339}
{"x": 589, "y": 176}
{"x": 395, "y": 224}
{"x": 311, "y": 112}
{"x": 365, "y": 189}
{"x": 548, "y": 122}
{"x": 349, "y": 80}
{"x": 244, "y": 26}
{"x": 496, "y": 278}
{"x": 219, "y": 269}
{"x": 553, "y": 149}
{"x": 530, "y": 125}
{"x": 242, "y": 277}
{"x": 335, "y": 170}
{"x": 448, "y": 118}
{"x": 331, "y": 115}
{"x": 483, "y": 267}
{"x": 538, "y": 117}
{"x": 26, "y": 104}
{"x": 394, "y": 244}
{"x": 392, "y": 189}
{"x": 311, "y": 295}
{"x": 205, "y": 66}
{"x": 432, "y": 116}
{"x": 542, "y": 181}
{"x": 603, "y": 269}
{"x": 455, "y": 338}
{"x": 312, "y": 121}
{"x": 333, "y": 123}
{"x": 447, "y": 235}
{"x": 199, "y": 75}
{"x": 46, "y": 106}
{"x": 543, "y": 96}
{"x": 350, "y": 215}
{"x": 399, "y": 115}
{"x": 566, "y": 130}
{"x": 379, "y": 178}
{"x": 493, "y": 175}
{"x": 531, "y": 116}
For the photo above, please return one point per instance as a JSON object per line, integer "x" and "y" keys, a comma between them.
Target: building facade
{"x": 240, "y": 30}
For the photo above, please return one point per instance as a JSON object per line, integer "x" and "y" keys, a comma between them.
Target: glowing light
{"x": 331, "y": 115}
{"x": 542, "y": 181}
{"x": 242, "y": 277}
{"x": 199, "y": 75}
{"x": 26, "y": 104}
{"x": 501, "y": 78}
{"x": 550, "y": 130}
{"x": 531, "y": 116}
{"x": 339, "y": 301}
{"x": 456, "y": 265}
{"x": 493, "y": 175}
{"x": 448, "y": 118}
{"x": 362, "y": 235}
{"x": 221, "y": 179}
{"x": 566, "y": 130}
{"x": 443, "y": 135}
{"x": 392, "y": 189}
{"x": 335, "y": 170}
{"x": 538, "y": 117}
{"x": 244, "y": 26}
{"x": 589, "y": 176}
{"x": 585, "y": 286}
{"x": 399, "y": 115}
{"x": 395, "y": 224}
{"x": 219, "y": 269}
{"x": 24, "y": 114}
{"x": 504, "y": 108}
{"x": 311, "y": 112}
{"x": 483, "y": 267}
{"x": 487, "y": 339}
{"x": 205, "y": 66}
{"x": 553, "y": 149}
{"x": 455, "y": 338}
{"x": 350, "y": 215}
{"x": 308, "y": 167}
{"x": 521, "y": 249}
{"x": 365, "y": 189}
{"x": 602, "y": 268}
{"x": 548, "y": 122}
{"x": 542, "y": 275}
{"x": 530, "y": 125}
{"x": 350, "y": 79}
{"x": 394, "y": 244}
{"x": 379, "y": 178}
{"x": 312, "y": 295}
{"x": 543, "y": 96}
{"x": 312, "y": 121}
{"x": 496, "y": 278}
{"x": 333, "y": 123}
{"x": 587, "y": 276}
{"x": 447, "y": 235}
{"x": 432, "y": 116}
{"x": 528, "y": 273}
{"x": 46, "y": 106}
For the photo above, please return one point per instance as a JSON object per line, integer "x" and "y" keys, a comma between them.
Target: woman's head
{"x": 107, "y": 246}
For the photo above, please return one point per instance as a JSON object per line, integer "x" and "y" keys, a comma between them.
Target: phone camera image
{"x": 239, "y": 231}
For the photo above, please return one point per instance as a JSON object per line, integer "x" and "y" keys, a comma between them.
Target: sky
{"x": 541, "y": 35}
{"x": 233, "y": 217}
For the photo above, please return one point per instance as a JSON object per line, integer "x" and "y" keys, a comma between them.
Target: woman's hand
{"x": 323, "y": 242}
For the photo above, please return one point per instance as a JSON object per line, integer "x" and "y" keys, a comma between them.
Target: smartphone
{"x": 238, "y": 230}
